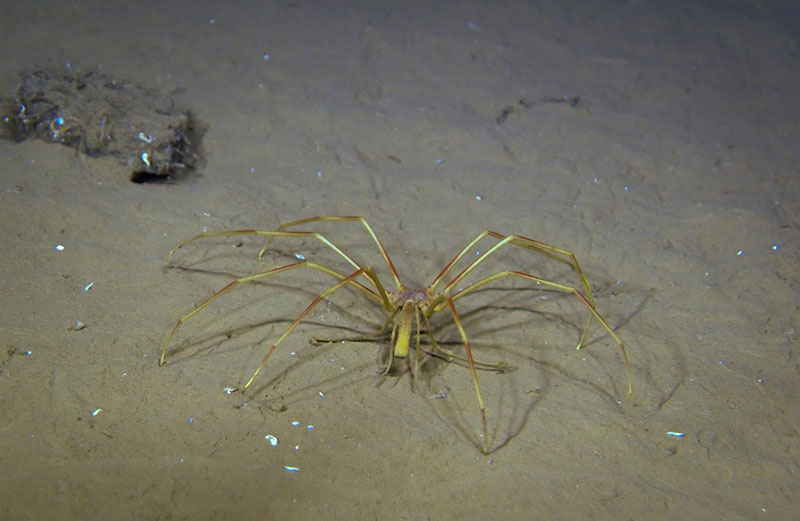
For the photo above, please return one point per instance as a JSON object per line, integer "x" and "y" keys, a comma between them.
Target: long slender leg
{"x": 346, "y": 280}
{"x": 447, "y": 354}
{"x": 340, "y": 218}
{"x": 368, "y": 272}
{"x": 455, "y": 259}
{"x": 558, "y": 254}
{"x": 361, "y": 338}
{"x": 257, "y": 276}
{"x": 559, "y": 287}
{"x": 473, "y": 371}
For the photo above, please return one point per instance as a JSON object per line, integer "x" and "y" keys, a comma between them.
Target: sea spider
{"x": 409, "y": 308}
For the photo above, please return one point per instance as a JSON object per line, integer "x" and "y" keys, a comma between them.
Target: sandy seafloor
{"x": 674, "y": 180}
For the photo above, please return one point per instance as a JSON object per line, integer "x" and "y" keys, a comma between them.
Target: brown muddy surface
{"x": 657, "y": 144}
